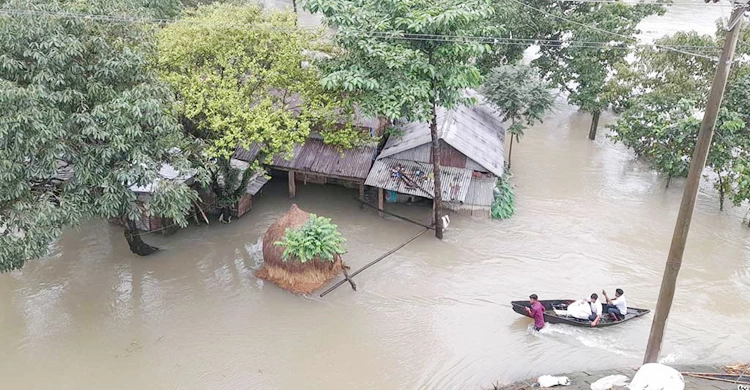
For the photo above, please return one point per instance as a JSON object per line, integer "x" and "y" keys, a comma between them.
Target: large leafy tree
{"x": 521, "y": 96}
{"x": 581, "y": 44}
{"x": 405, "y": 59}
{"x": 663, "y": 93}
{"x": 667, "y": 75}
{"x": 665, "y": 134}
{"x": 82, "y": 119}
{"x": 584, "y": 69}
{"x": 242, "y": 78}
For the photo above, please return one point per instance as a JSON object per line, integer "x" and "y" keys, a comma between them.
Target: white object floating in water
{"x": 655, "y": 376}
{"x": 446, "y": 221}
{"x": 609, "y": 382}
{"x": 549, "y": 381}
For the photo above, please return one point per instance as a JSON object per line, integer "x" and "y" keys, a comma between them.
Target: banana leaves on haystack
{"x": 301, "y": 252}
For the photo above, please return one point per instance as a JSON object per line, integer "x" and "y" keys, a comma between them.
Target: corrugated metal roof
{"x": 257, "y": 180}
{"x": 475, "y": 131}
{"x": 481, "y": 191}
{"x": 316, "y": 157}
{"x": 166, "y": 172}
{"x": 413, "y": 178}
{"x": 246, "y": 155}
{"x": 256, "y": 183}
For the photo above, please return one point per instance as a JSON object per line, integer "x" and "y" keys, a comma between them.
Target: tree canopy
{"x": 521, "y": 96}
{"x": 82, "y": 119}
{"x": 664, "y": 94}
{"x": 387, "y": 64}
{"x": 241, "y": 78}
{"x": 581, "y": 44}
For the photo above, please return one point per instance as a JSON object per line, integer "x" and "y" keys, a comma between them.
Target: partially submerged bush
{"x": 318, "y": 237}
{"x": 504, "y": 205}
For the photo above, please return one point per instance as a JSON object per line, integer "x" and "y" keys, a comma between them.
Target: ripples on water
{"x": 433, "y": 315}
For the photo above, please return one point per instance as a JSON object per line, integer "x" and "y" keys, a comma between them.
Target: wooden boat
{"x": 554, "y": 313}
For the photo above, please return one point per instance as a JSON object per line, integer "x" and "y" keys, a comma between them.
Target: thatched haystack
{"x": 291, "y": 275}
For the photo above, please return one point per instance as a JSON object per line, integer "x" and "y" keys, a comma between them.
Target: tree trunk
{"x": 438, "y": 198}
{"x": 135, "y": 242}
{"x": 669, "y": 180}
{"x": 510, "y": 150}
{"x": 594, "y": 125}
{"x": 721, "y": 194}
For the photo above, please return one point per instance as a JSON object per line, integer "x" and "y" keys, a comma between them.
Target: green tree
{"x": 665, "y": 135}
{"x": 667, "y": 75}
{"x": 242, "y": 78}
{"x": 663, "y": 93}
{"x": 82, "y": 119}
{"x": 521, "y": 96}
{"x": 571, "y": 55}
{"x": 394, "y": 71}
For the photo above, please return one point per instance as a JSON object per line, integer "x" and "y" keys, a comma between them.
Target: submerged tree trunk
{"x": 438, "y": 198}
{"x": 594, "y": 125}
{"x": 510, "y": 150}
{"x": 135, "y": 242}
{"x": 669, "y": 180}
{"x": 721, "y": 194}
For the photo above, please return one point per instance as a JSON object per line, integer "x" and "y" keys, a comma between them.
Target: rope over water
{"x": 368, "y": 265}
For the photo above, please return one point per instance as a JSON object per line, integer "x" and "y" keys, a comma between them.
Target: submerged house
{"x": 241, "y": 160}
{"x": 144, "y": 194}
{"x": 471, "y": 158}
{"x": 318, "y": 163}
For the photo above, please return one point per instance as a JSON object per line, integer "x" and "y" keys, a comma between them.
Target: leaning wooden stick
{"x": 345, "y": 268}
{"x": 205, "y": 218}
{"x": 370, "y": 264}
{"x": 714, "y": 378}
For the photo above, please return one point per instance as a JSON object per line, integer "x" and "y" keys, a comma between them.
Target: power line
{"x": 704, "y": 5}
{"x": 608, "y": 32}
{"x": 414, "y": 37}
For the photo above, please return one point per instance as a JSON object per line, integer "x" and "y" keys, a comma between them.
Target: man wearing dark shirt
{"x": 536, "y": 311}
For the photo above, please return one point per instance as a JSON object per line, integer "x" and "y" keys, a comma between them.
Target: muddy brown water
{"x": 434, "y": 315}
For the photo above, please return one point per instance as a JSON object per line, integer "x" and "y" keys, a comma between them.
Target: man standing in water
{"x": 536, "y": 311}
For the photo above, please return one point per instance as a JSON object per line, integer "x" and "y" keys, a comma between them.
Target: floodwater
{"x": 435, "y": 315}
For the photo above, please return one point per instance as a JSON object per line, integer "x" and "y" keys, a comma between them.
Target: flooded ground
{"x": 434, "y": 315}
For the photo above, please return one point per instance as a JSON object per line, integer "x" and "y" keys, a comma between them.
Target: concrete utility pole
{"x": 674, "y": 259}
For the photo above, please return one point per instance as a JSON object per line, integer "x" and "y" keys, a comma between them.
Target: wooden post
{"x": 292, "y": 186}
{"x": 697, "y": 163}
{"x": 380, "y": 201}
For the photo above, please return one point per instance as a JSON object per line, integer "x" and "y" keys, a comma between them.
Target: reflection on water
{"x": 433, "y": 315}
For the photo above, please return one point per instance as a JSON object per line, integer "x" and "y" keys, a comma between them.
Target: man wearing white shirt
{"x": 617, "y": 306}
{"x": 596, "y": 310}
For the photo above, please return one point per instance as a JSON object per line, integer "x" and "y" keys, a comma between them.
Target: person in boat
{"x": 588, "y": 309}
{"x": 536, "y": 311}
{"x": 616, "y": 307}
{"x": 596, "y": 310}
